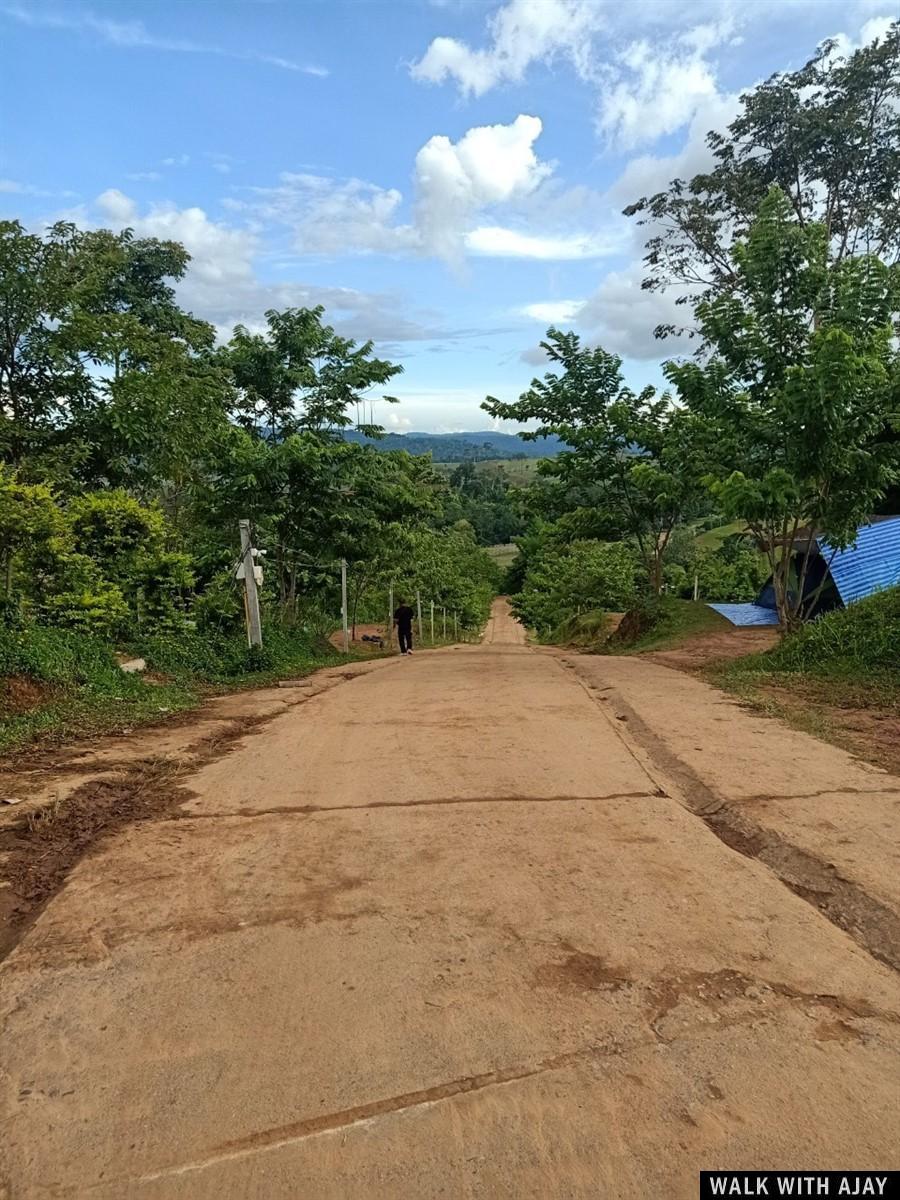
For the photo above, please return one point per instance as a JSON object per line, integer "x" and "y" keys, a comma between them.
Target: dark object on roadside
{"x": 374, "y": 638}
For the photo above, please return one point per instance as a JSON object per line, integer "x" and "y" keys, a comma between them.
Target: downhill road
{"x": 449, "y": 928}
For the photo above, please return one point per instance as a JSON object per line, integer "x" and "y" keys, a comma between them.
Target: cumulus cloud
{"x": 495, "y": 241}
{"x": 489, "y": 165}
{"x": 491, "y": 168}
{"x": 652, "y": 91}
{"x": 519, "y": 33}
{"x": 223, "y": 286}
{"x": 328, "y": 216}
{"x": 621, "y": 317}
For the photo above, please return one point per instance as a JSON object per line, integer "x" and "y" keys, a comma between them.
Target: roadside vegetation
{"x": 131, "y": 442}
{"x": 782, "y": 426}
{"x": 130, "y": 446}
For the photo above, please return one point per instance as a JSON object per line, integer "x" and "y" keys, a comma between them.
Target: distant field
{"x": 711, "y": 539}
{"x": 503, "y": 555}
{"x": 519, "y": 471}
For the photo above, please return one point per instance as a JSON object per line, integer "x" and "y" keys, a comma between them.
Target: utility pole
{"x": 344, "y": 606}
{"x": 419, "y": 611}
{"x": 444, "y": 611}
{"x": 696, "y": 587}
{"x": 390, "y": 620}
{"x": 432, "y": 622}
{"x": 251, "y": 596}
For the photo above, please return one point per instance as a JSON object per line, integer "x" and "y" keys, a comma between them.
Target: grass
{"x": 712, "y": 539}
{"x": 80, "y": 689}
{"x": 662, "y": 624}
{"x": 503, "y": 555}
{"x": 837, "y": 678}
{"x": 587, "y": 630}
{"x": 519, "y": 471}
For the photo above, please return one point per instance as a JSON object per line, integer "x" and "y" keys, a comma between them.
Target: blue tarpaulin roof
{"x": 747, "y": 614}
{"x": 873, "y": 563}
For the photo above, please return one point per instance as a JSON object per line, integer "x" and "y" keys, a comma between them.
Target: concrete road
{"x": 444, "y": 930}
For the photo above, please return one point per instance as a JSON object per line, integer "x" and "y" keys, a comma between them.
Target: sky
{"x": 445, "y": 177}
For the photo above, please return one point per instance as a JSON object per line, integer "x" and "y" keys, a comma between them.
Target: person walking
{"x": 403, "y": 619}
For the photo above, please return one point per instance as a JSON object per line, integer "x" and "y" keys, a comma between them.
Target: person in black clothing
{"x": 403, "y": 619}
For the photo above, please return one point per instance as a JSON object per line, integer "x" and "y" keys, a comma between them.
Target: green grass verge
{"x": 663, "y": 623}
{"x": 74, "y": 686}
{"x": 845, "y": 664}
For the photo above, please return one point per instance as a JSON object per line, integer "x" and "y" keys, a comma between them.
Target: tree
{"x": 300, "y": 376}
{"x": 790, "y": 409}
{"x": 625, "y": 446}
{"x": 565, "y": 578}
{"x": 828, "y": 135}
{"x": 29, "y": 519}
{"x": 103, "y": 377}
{"x": 40, "y": 373}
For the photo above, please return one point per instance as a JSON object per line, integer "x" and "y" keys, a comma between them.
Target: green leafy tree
{"x": 41, "y": 375}
{"x": 827, "y": 135}
{"x": 29, "y": 521}
{"x": 627, "y": 448}
{"x": 567, "y": 578}
{"x": 300, "y": 376}
{"x": 791, "y": 407}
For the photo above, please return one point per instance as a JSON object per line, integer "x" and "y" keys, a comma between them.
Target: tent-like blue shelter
{"x": 868, "y": 566}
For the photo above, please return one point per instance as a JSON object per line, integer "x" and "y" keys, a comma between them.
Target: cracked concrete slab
{"x": 548, "y": 987}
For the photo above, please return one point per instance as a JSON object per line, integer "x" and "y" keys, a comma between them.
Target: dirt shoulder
{"x": 70, "y": 798}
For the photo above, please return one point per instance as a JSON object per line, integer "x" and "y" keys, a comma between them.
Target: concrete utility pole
{"x": 344, "y": 606}
{"x": 432, "y": 622}
{"x": 696, "y": 586}
{"x": 419, "y": 610}
{"x": 251, "y": 596}
{"x": 390, "y": 620}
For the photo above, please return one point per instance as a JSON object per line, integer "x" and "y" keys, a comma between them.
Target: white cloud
{"x": 553, "y": 312}
{"x": 621, "y": 317}
{"x": 223, "y": 287}
{"x": 328, "y": 216}
{"x": 134, "y": 35}
{"x": 144, "y": 176}
{"x": 490, "y": 164}
{"x": 495, "y": 241}
{"x": 520, "y": 33}
{"x": 15, "y": 188}
{"x": 652, "y": 91}
{"x": 490, "y": 167}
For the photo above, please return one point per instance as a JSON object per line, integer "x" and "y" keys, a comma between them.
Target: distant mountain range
{"x": 456, "y": 447}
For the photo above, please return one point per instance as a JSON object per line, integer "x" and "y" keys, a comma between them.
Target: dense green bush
{"x": 224, "y": 657}
{"x": 61, "y": 656}
{"x": 564, "y": 580}
{"x": 866, "y": 635}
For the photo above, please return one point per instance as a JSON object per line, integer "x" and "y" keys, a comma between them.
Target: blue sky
{"x": 446, "y": 178}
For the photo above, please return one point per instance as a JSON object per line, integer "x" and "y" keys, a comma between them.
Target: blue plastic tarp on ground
{"x": 872, "y": 564}
{"x": 746, "y": 614}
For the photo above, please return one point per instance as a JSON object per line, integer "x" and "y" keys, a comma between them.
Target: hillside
{"x": 455, "y": 447}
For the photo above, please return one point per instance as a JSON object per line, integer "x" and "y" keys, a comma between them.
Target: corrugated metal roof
{"x": 746, "y": 614}
{"x": 873, "y": 563}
